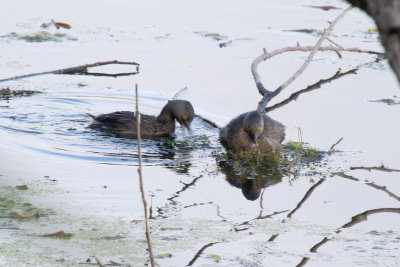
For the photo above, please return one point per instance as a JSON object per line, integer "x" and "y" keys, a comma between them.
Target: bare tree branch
{"x": 268, "y": 95}
{"x": 79, "y": 69}
{"x": 146, "y": 218}
{"x": 309, "y": 88}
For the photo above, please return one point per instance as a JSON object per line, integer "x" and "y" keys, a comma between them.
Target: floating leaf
{"x": 164, "y": 255}
{"x": 22, "y": 187}
{"x": 302, "y": 30}
{"x": 325, "y": 8}
{"x": 56, "y": 24}
{"x": 63, "y": 25}
{"x": 214, "y": 257}
{"x": 22, "y": 216}
{"x": 59, "y": 234}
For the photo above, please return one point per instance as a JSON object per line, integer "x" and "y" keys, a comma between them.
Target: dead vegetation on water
{"x": 41, "y": 36}
{"x": 6, "y": 93}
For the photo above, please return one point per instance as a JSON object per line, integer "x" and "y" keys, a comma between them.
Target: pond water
{"x": 202, "y": 213}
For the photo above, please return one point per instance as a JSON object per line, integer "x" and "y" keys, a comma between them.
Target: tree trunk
{"x": 386, "y": 14}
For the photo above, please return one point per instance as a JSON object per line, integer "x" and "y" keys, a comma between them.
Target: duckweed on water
{"x": 16, "y": 208}
{"x": 214, "y": 36}
{"x": 42, "y": 36}
{"x": 6, "y": 93}
{"x": 389, "y": 101}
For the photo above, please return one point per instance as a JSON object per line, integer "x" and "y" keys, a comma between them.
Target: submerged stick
{"x": 78, "y": 69}
{"x": 200, "y": 251}
{"x": 380, "y": 168}
{"x": 146, "y": 219}
{"x": 306, "y": 196}
{"x": 333, "y": 146}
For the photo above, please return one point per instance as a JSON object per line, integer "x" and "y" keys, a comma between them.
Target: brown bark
{"x": 386, "y": 14}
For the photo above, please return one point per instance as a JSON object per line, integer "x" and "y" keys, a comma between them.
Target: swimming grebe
{"x": 123, "y": 123}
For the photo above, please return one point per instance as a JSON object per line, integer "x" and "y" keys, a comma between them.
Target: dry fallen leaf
{"x": 301, "y": 30}
{"x": 63, "y": 25}
{"x": 22, "y": 216}
{"x": 325, "y": 8}
{"x": 56, "y": 24}
{"x": 59, "y": 234}
{"x": 22, "y": 187}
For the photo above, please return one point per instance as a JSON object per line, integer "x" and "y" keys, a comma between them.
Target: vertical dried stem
{"x": 146, "y": 219}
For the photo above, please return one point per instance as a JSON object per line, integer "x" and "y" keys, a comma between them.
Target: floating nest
{"x": 261, "y": 167}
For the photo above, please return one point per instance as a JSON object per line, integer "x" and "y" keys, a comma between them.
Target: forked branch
{"x": 268, "y": 95}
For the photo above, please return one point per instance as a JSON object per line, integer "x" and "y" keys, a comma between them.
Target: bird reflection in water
{"x": 250, "y": 180}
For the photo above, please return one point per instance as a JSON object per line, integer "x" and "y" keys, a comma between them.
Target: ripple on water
{"x": 56, "y": 125}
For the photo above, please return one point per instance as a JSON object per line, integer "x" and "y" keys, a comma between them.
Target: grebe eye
{"x": 184, "y": 117}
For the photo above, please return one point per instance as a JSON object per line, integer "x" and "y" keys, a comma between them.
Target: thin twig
{"x": 316, "y": 246}
{"x": 380, "y": 168}
{"x": 185, "y": 187}
{"x": 361, "y": 217}
{"x": 98, "y": 262}
{"x": 213, "y": 124}
{"x": 73, "y": 70}
{"x": 267, "y": 96}
{"x": 338, "y": 45}
{"x": 310, "y": 88}
{"x": 146, "y": 218}
{"x": 273, "y": 237}
{"x": 306, "y": 196}
{"x": 364, "y": 216}
{"x": 200, "y": 251}
{"x": 337, "y": 52}
{"x": 378, "y": 187}
{"x": 333, "y": 42}
{"x": 384, "y": 189}
{"x": 303, "y": 262}
{"x": 333, "y": 146}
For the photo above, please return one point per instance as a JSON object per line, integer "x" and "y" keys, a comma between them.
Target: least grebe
{"x": 249, "y": 129}
{"x": 123, "y": 123}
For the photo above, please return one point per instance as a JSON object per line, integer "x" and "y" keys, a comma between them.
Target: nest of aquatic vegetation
{"x": 263, "y": 161}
